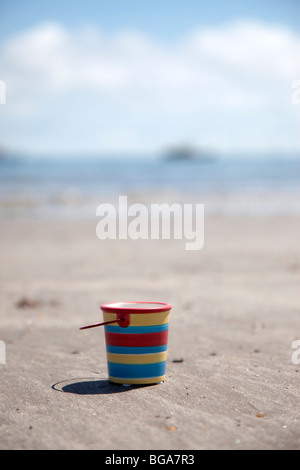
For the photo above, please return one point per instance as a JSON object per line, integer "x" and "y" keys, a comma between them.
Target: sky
{"x": 136, "y": 77}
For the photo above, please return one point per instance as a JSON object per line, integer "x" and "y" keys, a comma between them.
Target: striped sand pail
{"x": 136, "y": 335}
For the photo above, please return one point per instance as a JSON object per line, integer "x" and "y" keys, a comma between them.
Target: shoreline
{"x": 227, "y": 204}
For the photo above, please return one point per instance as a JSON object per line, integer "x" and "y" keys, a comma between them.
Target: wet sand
{"x": 231, "y": 382}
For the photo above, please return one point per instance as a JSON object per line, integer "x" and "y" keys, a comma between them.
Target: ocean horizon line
{"x": 151, "y": 156}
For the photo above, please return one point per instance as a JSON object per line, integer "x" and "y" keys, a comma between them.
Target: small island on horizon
{"x": 188, "y": 152}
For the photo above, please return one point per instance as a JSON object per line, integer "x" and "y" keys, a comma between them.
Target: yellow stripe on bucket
{"x": 137, "y": 358}
{"x": 142, "y": 319}
{"x": 150, "y": 380}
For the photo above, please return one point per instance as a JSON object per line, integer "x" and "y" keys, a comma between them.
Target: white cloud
{"x": 253, "y": 47}
{"x": 233, "y": 70}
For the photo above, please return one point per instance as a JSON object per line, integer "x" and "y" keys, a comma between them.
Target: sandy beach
{"x": 231, "y": 382}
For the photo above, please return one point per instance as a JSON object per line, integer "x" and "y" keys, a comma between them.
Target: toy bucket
{"x": 136, "y": 335}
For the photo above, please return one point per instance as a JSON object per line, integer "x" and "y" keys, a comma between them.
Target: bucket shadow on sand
{"x": 91, "y": 386}
{"x": 88, "y": 386}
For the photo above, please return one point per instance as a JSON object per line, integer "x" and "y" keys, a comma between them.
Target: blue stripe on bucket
{"x": 136, "y": 350}
{"x": 136, "y": 329}
{"x": 136, "y": 371}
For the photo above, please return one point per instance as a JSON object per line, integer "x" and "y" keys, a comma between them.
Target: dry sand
{"x": 235, "y": 316}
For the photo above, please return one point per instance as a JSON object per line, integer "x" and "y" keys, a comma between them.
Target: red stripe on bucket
{"x": 137, "y": 340}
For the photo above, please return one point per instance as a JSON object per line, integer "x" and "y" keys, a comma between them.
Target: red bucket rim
{"x": 136, "y": 307}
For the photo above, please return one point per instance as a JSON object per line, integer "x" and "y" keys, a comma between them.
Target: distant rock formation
{"x": 187, "y": 153}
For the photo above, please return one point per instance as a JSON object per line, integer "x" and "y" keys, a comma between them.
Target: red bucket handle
{"x": 123, "y": 320}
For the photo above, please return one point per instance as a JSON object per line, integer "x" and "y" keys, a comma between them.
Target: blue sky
{"x": 136, "y": 76}
{"x": 163, "y": 18}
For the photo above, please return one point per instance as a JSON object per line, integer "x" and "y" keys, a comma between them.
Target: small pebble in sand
{"x": 28, "y": 303}
{"x": 260, "y": 414}
{"x": 171, "y": 428}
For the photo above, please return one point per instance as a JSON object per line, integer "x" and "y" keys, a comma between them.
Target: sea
{"x": 32, "y": 187}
